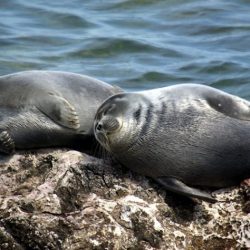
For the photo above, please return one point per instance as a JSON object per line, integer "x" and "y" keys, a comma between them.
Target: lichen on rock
{"x": 61, "y": 199}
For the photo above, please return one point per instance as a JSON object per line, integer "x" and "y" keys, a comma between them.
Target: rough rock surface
{"x": 59, "y": 199}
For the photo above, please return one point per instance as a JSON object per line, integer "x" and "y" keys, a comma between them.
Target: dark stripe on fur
{"x": 147, "y": 121}
{"x": 137, "y": 114}
{"x": 161, "y": 116}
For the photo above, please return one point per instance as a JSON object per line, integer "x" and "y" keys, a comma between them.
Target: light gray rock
{"x": 60, "y": 199}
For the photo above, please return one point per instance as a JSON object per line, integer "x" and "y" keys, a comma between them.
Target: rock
{"x": 60, "y": 199}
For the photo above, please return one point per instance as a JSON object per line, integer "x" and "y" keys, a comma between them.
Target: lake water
{"x": 136, "y": 44}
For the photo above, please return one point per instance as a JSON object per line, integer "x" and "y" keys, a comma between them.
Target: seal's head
{"x": 116, "y": 122}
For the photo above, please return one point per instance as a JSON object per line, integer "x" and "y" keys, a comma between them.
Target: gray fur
{"x": 48, "y": 108}
{"x": 195, "y": 134}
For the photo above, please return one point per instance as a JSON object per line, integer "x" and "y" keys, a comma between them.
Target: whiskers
{"x": 101, "y": 152}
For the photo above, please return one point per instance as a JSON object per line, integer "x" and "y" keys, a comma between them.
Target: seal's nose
{"x": 99, "y": 126}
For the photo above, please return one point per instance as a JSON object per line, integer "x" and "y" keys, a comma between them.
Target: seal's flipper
{"x": 7, "y": 144}
{"x": 59, "y": 110}
{"x": 229, "y": 105}
{"x": 177, "y": 186}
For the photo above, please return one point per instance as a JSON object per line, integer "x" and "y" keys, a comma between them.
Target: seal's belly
{"x": 208, "y": 151}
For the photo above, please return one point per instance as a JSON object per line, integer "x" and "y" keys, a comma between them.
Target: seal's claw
{"x": 7, "y": 145}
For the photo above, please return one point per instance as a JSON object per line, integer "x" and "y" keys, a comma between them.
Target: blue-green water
{"x": 136, "y": 44}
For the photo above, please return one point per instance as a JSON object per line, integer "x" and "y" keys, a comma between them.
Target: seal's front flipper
{"x": 177, "y": 186}
{"x": 229, "y": 105}
{"x": 59, "y": 110}
{"x": 7, "y": 144}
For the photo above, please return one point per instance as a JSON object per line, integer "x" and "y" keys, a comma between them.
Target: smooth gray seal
{"x": 182, "y": 136}
{"x": 48, "y": 108}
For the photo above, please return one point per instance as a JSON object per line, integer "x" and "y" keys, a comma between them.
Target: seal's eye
{"x": 109, "y": 109}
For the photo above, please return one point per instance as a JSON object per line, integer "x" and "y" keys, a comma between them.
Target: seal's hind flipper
{"x": 177, "y": 186}
{"x": 59, "y": 110}
{"x": 7, "y": 144}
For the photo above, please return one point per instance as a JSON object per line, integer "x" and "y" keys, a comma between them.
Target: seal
{"x": 185, "y": 136}
{"x": 48, "y": 108}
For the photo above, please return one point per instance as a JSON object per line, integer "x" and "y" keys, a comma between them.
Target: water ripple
{"x": 133, "y": 43}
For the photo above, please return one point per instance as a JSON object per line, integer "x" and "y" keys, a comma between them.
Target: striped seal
{"x": 185, "y": 136}
{"x": 46, "y": 108}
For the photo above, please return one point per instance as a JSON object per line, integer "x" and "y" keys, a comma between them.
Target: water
{"x": 136, "y": 44}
